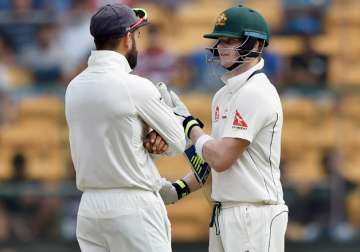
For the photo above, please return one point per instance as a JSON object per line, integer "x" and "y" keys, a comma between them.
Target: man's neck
{"x": 243, "y": 68}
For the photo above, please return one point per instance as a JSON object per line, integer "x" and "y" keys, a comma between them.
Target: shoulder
{"x": 141, "y": 87}
{"x": 259, "y": 88}
{"x": 74, "y": 82}
{"x": 257, "y": 95}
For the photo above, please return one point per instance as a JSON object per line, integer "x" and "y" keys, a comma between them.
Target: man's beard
{"x": 132, "y": 55}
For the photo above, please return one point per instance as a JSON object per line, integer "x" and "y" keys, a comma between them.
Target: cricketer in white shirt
{"x": 250, "y": 190}
{"x": 250, "y": 213}
{"x": 250, "y": 110}
{"x": 109, "y": 111}
{"x": 244, "y": 148}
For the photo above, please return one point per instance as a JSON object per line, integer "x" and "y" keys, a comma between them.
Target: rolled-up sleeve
{"x": 159, "y": 116}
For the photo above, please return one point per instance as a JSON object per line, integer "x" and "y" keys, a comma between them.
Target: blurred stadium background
{"x": 313, "y": 60}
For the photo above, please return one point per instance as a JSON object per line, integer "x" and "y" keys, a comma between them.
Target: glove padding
{"x": 179, "y": 109}
{"x": 168, "y": 192}
{"x": 165, "y": 94}
{"x": 168, "y": 99}
{"x": 173, "y": 100}
{"x": 172, "y": 192}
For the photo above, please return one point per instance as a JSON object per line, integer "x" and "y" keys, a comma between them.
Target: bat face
{"x": 202, "y": 172}
{"x": 200, "y": 168}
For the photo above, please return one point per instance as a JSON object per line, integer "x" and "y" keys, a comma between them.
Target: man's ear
{"x": 125, "y": 43}
{"x": 256, "y": 46}
{"x": 259, "y": 45}
{"x": 128, "y": 41}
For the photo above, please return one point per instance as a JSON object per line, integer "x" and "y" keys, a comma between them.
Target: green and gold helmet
{"x": 240, "y": 22}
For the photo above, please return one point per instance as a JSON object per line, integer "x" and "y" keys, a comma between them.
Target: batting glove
{"x": 179, "y": 108}
{"x": 172, "y": 192}
{"x": 172, "y": 100}
{"x": 165, "y": 94}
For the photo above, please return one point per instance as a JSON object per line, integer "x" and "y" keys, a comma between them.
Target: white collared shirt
{"x": 249, "y": 110}
{"x": 109, "y": 111}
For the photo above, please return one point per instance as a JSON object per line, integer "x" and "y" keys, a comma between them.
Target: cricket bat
{"x": 202, "y": 171}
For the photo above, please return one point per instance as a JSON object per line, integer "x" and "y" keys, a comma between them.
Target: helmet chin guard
{"x": 245, "y": 52}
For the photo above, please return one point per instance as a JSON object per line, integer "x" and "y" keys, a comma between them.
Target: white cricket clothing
{"x": 249, "y": 110}
{"x": 109, "y": 111}
{"x": 247, "y": 228}
{"x": 123, "y": 220}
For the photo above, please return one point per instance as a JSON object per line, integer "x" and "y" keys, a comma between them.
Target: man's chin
{"x": 226, "y": 64}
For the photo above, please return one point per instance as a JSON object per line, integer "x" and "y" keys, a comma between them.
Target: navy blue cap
{"x": 114, "y": 21}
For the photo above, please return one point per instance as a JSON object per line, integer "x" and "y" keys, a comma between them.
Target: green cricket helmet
{"x": 240, "y": 22}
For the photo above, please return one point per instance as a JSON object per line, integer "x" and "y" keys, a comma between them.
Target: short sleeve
{"x": 247, "y": 115}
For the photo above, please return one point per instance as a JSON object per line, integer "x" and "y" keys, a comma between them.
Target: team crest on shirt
{"x": 217, "y": 114}
{"x": 239, "y": 122}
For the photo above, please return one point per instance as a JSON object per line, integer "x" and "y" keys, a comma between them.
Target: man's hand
{"x": 179, "y": 108}
{"x": 168, "y": 192}
{"x": 165, "y": 94}
{"x": 172, "y": 100}
{"x": 172, "y": 192}
{"x": 154, "y": 143}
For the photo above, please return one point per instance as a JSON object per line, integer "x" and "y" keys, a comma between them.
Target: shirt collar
{"x": 108, "y": 58}
{"x": 239, "y": 80}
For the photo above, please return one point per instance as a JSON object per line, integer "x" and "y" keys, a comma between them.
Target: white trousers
{"x": 249, "y": 228}
{"x": 123, "y": 220}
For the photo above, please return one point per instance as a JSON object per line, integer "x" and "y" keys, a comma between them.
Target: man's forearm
{"x": 221, "y": 153}
{"x": 191, "y": 181}
{"x": 195, "y": 133}
{"x": 215, "y": 154}
{"x": 210, "y": 153}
